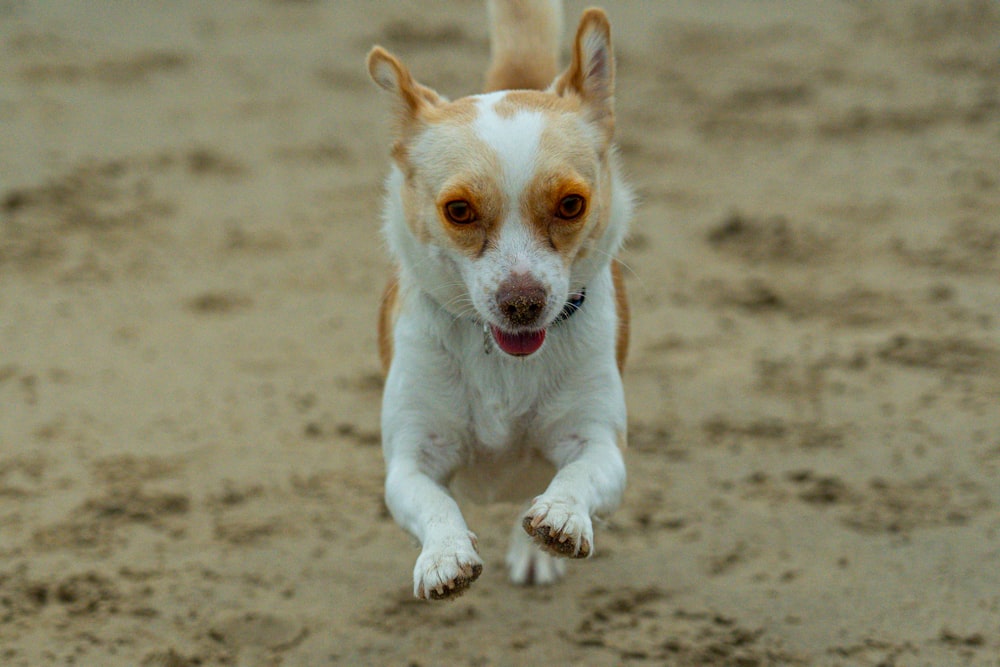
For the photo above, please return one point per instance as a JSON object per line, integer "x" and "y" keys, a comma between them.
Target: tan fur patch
{"x": 622, "y": 311}
{"x": 393, "y": 76}
{"x": 591, "y": 72}
{"x": 540, "y": 206}
{"x": 604, "y": 203}
{"x": 387, "y": 321}
{"x": 517, "y": 101}
{"x": 412, "y": 203}
{"x": 524, "y": 38}
{"x": 483, "y": 195}
{"x": 459, "y": 113}
{"x": 568, "y": 163}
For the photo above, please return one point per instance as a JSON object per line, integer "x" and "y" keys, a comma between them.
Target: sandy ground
{"x": 189, "y": 391}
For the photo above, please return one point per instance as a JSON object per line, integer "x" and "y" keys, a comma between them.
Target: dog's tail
{"x": 524, "y": 40}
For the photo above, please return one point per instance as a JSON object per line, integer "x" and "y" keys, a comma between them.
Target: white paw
{"x": 447, "y": 567}
{"x": 528, "y": 565}
{"x": 559, "y": 527}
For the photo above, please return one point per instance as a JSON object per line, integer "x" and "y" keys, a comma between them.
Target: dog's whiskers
{"x": 624, "y": 265}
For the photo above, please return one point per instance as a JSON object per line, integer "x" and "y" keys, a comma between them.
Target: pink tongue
{"x": 519, "y": 344}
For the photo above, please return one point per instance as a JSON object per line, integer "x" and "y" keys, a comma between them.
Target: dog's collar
{"x": 568, "y": 311}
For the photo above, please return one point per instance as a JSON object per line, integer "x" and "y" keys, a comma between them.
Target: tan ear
{"x": 591, "y": 73}
{"x": 391, "y": 75}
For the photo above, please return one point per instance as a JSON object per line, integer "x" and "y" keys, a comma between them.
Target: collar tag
{"x": 487, "y": 344}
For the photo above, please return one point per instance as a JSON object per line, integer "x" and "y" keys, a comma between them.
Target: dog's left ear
{"x": 392, "y": 75}
{"x": 591, "y": 73}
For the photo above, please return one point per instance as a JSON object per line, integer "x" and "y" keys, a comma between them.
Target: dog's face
{"x": 503, "y": 196}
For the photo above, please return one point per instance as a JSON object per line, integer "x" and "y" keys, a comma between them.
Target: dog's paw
{"x": 446, "y": 568}
{"x": 528, "y": 565}
{"x": 560, "y": 528}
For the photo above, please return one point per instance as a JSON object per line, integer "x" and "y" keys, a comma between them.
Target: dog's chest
{"x": 500, "y": 419}
{"x": 505, "y": 434}
{"x": 497, "y": 424}
{"x": 504, "y": 402}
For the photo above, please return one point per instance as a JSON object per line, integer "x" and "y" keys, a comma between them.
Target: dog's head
{"x": 504, "y": 205}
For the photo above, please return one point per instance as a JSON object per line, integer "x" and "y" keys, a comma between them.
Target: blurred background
{"x": 190, "y": 269}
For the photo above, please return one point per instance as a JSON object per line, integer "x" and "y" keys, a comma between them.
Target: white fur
{"x": 449, "y": 406}
{"x": 460, "y": 413}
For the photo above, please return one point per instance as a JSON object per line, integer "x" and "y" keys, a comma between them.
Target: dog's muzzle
{"x": 521, "y": 300}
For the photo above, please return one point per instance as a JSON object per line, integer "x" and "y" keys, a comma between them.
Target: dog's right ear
{"x": 391, "y": 75}
{"x": 591, "y": 74}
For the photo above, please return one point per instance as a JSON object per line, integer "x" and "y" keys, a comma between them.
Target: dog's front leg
{"x": 590, "y": 479}
{"x": 417, "y": 498}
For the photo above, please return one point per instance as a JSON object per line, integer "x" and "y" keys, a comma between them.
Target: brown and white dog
{"x": 504, "y": 330}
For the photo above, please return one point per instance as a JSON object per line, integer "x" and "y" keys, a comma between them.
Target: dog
{"x": 504, "y": 330}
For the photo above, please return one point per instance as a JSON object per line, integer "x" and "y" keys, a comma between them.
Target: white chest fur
{"x": 488, "y": 406}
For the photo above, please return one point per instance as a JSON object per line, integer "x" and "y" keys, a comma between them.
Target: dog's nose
{"x": 521, "y": 299}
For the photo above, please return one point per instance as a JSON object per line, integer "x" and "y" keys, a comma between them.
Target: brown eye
{"x": 460, "y": 212}
{"x": 571, "y": 207}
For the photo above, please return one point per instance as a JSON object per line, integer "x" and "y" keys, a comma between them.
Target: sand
{"x": 190, "y": 267}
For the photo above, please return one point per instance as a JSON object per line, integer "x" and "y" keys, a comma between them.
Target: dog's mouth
{"x": 519, "y": 344}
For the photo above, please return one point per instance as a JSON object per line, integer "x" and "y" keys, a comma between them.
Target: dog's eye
{"x": 571, "y": 207}
{"x": 460, "y": 212}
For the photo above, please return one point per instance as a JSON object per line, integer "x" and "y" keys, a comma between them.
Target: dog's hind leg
{"x": 528, "y": 565}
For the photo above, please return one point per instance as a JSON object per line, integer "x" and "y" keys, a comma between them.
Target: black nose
{"x": 521, "y": 299}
